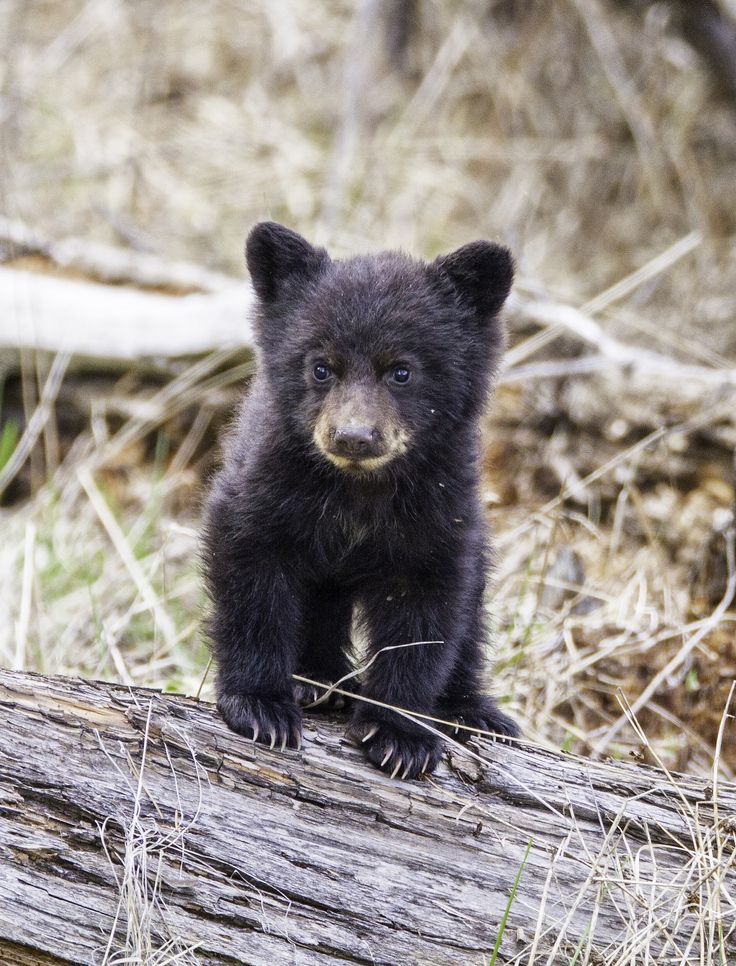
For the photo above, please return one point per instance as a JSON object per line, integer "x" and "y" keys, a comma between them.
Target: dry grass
{"x": 584, "y": 135}
{"x": 140, "y": 933}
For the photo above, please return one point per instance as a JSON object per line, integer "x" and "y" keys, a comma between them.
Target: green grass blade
{"x": 581, "y": 943}
{"x": 512, "y": 896}
{"x": 8, "y": 438}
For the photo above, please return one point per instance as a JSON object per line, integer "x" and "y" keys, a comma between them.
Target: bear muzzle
{"x": 358, "y": 432}
{"x": 359, "y": 448}
{"x": 357, "y": 442}
{"x": 355, "y": 447}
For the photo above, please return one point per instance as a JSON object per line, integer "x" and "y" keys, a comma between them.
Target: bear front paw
{"x": 479, "y": 717}
{"x": 397, "y": 750}
{"x": 276, "y": 722}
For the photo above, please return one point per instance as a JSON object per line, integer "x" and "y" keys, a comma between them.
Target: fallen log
{"x": 134, "y": 824}
{"x": 117, "y": 325}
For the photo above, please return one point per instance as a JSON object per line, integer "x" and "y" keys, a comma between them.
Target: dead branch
{"x": 117, "y": 324}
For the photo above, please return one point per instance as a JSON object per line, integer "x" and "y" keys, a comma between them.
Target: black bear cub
{"x": 350, "y": 485}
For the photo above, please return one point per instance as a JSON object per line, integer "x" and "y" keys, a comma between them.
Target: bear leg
{"x": 256, "y": 636}
{"x": 464, "y": 700}
{"x": 412, "y": 627}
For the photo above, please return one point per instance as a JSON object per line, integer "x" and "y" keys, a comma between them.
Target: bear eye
{"x": 321, "y": 372}
{"x": 401, "y": 375}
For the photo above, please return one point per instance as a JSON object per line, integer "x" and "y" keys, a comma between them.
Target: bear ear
{"x": 482, "y": 273}
{"x": 274, "y": 254}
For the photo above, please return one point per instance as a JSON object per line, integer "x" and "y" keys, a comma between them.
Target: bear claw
{"x": 272, "y": 721}
{"x": 484, "y": 717}
{"x": 371, "y": 734}
{"x": 397, "y": 750}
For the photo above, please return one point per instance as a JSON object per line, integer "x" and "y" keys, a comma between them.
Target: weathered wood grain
{"x": 313, "y": 857}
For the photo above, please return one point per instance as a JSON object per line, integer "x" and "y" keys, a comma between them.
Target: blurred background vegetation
{"x": 597, "y": 138}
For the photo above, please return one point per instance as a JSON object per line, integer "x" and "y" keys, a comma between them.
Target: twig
{"x": 37, "y": 421}
{"x": 21, "y": 630}
{"x": 654, "y": 364}
{"x": 614, "y": 293}
{"x": 604, "y": 43}
{"x": 355, "y": 84}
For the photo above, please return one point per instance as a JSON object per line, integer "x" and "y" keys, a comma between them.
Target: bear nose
{"x": 356, "y": 441}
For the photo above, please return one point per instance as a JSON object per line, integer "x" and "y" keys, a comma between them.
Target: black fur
{"x": 293, "y": 542}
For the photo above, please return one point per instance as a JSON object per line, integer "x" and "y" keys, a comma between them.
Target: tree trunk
{"x": 135, "y": 824}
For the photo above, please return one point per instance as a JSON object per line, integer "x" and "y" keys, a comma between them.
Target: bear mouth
{"x": 357, "y": 465}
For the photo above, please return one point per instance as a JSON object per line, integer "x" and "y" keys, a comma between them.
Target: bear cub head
{"x": 371, "y": 357}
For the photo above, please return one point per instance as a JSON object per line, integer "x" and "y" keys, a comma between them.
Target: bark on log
{"x": 256, "y": 856}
